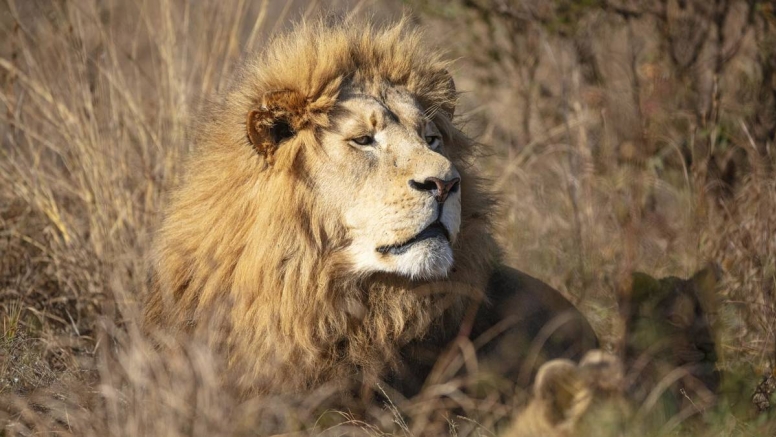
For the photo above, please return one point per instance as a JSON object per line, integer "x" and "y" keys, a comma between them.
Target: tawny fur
{"x": 576, "y": 400}
{"x": 245, "y": 242}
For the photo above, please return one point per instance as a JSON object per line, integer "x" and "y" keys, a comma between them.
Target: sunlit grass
{"x": 97, "y": 101}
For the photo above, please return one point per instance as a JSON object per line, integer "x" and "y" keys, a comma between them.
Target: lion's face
{"x": 385, "y": 171}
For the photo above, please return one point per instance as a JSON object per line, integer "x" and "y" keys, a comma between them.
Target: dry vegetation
{"x": 625, "y": 136}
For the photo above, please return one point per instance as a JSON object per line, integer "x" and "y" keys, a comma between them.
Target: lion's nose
{"x": 437, "y": 187}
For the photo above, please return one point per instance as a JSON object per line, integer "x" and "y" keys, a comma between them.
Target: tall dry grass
{"x": 621, "y": 141}
{"x": 97, "y": 99}
{"x": 629, "y": 136}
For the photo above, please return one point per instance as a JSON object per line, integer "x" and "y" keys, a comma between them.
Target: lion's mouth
{"x": 434, "y": 230}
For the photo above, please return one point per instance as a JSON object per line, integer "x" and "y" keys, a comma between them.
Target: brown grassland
{"x": 622, "y": 136}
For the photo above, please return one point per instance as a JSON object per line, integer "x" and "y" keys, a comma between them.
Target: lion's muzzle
{"x": 435, "y": 230}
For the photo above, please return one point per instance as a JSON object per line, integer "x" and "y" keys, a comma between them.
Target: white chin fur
{"x": 429, "y": 259}
{"x": 425, "y": 260}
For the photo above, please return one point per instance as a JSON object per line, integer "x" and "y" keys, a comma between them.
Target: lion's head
{"x": 380, "y": 164}
{"x": 328, "y": 198}
{"x": 576, "y": 400}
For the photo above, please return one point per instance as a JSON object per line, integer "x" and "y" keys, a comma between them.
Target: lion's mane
{"x": 244, "y": 241}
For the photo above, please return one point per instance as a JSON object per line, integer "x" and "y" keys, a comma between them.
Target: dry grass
{"x": 616, "y": 149}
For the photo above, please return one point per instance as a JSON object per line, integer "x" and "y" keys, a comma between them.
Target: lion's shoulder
{"x": 527, "y": 322}
{"x": 519, "y": 324}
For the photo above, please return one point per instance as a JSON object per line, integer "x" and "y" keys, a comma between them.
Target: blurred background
{"x": 621, "y": 135}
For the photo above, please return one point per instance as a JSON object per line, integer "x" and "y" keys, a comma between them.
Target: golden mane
{"x": 244, "y": 241}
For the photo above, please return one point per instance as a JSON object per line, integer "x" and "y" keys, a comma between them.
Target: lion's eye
{"x": 433, "y": 141}
{"x": 365, "y": 140}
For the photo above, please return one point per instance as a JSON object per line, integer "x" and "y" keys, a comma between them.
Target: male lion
{"x": 330, "y": 227}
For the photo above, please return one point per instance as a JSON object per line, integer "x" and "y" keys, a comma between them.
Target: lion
{"x": 670, "y": 345}
{"x": 665, "y": 374}
{"x": 577, "y": 400}
{"x": 331, "y": 228}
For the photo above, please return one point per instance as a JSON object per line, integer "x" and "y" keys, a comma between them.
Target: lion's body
{"x": 265, "y": 243}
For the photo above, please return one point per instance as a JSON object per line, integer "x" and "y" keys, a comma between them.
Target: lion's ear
{"x": 277, "y": 119}
{"x": 560, "y": 387}
{"x": 604, "y": 369}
